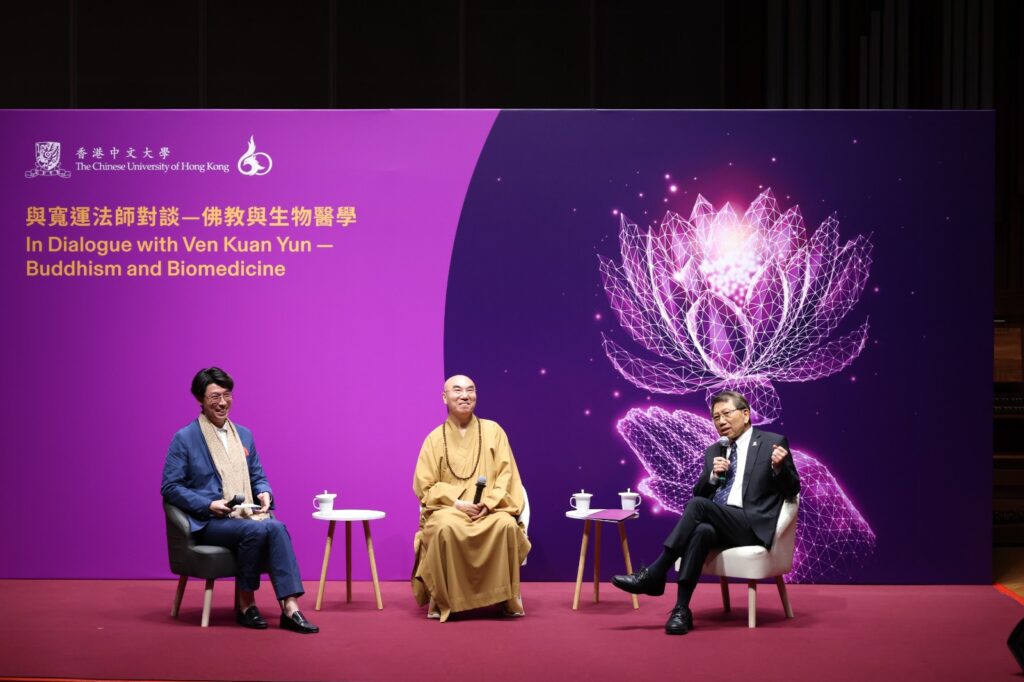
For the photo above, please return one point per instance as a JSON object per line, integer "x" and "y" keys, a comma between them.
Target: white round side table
{"x": 348, "y": 516}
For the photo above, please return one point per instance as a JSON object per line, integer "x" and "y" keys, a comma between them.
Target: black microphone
{"x": 480, "y": 483}
{"x": 236, "y": 500}
{"x": 724, "y": 443}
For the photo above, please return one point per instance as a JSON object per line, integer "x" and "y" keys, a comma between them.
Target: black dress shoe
{"x": 679, "y": 622}
{"x": 641, "y": 582}
{"x": 298, "y": 623}
{"x": 251, "y": 618}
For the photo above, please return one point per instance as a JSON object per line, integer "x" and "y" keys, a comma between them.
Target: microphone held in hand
{"x": 236, "y": 500}
{"x": 724, "y": 443}
{"x": 480, "y": 483}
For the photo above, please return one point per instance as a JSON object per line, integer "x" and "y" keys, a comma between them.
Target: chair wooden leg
{"x": 752, "y": 604}
{"x": 597, "y": 561}
{"x": 178, "y": 594}
{"x": 784, "y": 595}
{"x": 207, "y": 603}
{"x": 726, "y": 605}
{"x": 579, "y": 571}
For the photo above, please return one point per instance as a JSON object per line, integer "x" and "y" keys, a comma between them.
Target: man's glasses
{"x": 215, "y": 398}
{"x": 462, "y": 391}
{"x": 723, "y": 415}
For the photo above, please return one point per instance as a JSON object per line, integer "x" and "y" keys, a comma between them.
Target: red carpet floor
{"x": 122, "y": 630}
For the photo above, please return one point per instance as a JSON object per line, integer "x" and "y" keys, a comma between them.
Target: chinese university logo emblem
{"x": 47, "y": 161}
{"x": 250, "y": 164}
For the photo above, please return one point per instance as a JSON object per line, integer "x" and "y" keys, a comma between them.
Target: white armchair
{"x": 524, "y": 516}
{"x": 753, "y": 563}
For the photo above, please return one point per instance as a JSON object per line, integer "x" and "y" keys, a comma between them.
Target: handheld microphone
{"x": 723, "y": 442}
{"x": 236, "y": 500}
{"x": 480, "y": 483}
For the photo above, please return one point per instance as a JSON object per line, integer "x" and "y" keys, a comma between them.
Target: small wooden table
{"x": 348, "y": 516}
{"x": 582, "y": 516}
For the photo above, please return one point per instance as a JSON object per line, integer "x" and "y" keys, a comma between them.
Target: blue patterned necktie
{"x": 722, "y": 494}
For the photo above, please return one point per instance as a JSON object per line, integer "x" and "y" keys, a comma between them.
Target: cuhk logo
{"x": 47, "y": 161}
{"x": 250, "y": 163}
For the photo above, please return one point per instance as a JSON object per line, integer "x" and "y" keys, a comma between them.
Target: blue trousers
{"x": 257, "y": 544}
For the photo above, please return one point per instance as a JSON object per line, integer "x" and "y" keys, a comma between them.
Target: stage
{"x": 121, "y": 629}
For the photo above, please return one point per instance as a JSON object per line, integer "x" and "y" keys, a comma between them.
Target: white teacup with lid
{"x": 324, "y": 502}
{"x": 630, "y": 499}
{"x": 580, "y": 501}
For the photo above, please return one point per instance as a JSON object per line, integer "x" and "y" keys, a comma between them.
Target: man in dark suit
{"x": 736, "y": 502}
{"x": 210, "y": 461}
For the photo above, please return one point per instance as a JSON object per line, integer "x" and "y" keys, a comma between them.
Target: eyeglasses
{"x": 215, "y": 398}
{"x": 462, "y": 391}
{"x": 723, "y": 415}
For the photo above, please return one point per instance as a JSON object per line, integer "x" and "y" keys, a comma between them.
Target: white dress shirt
{"x": 222, "y": 434}
{"x": 735, "y": 498}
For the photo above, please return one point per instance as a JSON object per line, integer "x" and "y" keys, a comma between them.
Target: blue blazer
{"x": 191, "y": 481}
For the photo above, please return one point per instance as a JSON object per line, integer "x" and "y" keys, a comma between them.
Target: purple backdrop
{"x": 339, "y": 363}
{"x": 904, "y": 431}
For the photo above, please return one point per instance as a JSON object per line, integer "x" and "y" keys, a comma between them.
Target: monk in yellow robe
{"x": 467, "y": 555}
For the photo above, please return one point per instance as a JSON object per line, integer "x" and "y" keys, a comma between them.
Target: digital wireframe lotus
{"x": 730, "y": 302}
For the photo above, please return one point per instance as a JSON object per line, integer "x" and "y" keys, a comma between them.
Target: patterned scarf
{"x": 231, "y": 465}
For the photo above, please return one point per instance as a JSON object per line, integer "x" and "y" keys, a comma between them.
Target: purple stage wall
{"x": 469, "y": 241}
{"x": 338, "y": 364}
{"x": 881, "y": 380}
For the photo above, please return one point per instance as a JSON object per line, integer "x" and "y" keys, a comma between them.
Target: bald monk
{"x": 467, "y": 555}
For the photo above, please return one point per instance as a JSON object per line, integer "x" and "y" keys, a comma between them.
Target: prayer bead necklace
{"x": 479, "y": 449}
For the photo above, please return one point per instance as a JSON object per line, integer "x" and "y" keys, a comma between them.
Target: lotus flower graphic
{"x": 730, "y": 302}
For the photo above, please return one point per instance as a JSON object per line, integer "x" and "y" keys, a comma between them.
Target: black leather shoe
{"x": 641, "y": 582}
{"x": 251, "y": 618}
{"x": 679, "y": 622}
{"x": 298, "y": 623}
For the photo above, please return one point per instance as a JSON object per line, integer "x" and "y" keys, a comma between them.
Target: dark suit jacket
{"x": 763, "y": 491}
{"x": 191, "y": 481}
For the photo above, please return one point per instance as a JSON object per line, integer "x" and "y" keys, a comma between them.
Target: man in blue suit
{"x": 736, "y": 502}
{"x": 209, "y": 462}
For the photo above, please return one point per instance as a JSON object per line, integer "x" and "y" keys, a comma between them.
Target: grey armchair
{"x": 190, "y": 560}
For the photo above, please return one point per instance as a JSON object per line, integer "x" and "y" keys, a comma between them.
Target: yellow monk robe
{"x": 467, "y": 564}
